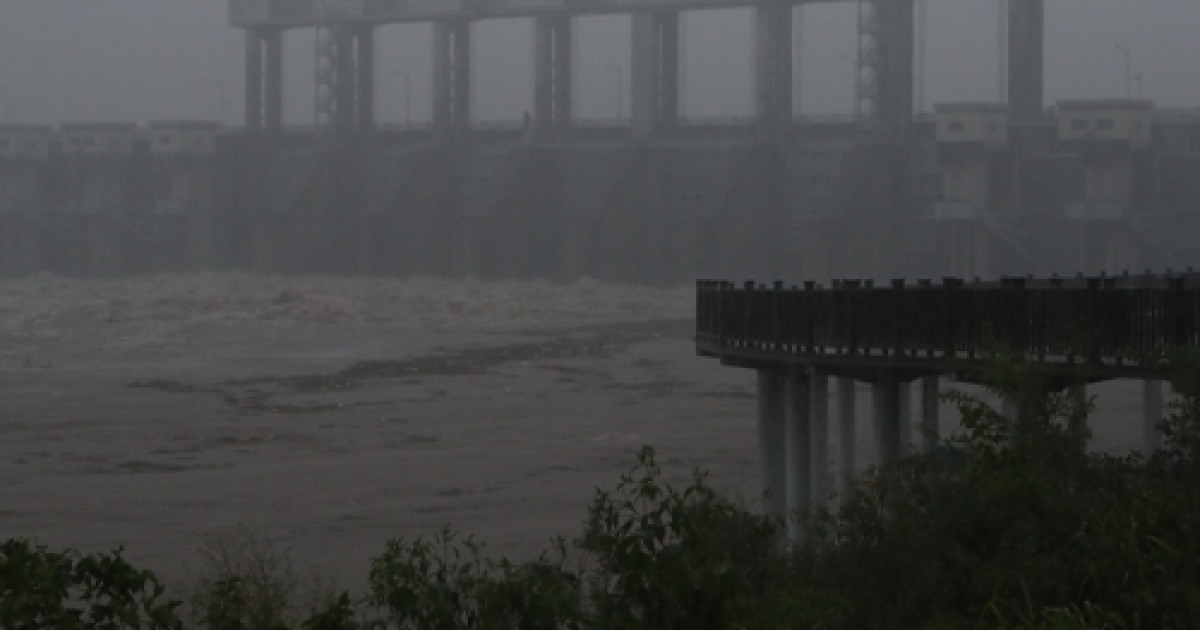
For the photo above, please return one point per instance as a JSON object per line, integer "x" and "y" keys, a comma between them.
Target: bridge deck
{"x": 301, "y": 13}
{"x": 1094, "y": 329}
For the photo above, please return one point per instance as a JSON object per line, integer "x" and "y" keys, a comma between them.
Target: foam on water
{"x": 132, "y": 312}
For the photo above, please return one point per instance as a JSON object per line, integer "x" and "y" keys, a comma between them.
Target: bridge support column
{"x": 346, "y": 78}
{"x": 1152, "y": 410}
{"x": 818, "y": 385}
{"x": 655, "y": 71}
{"x": 890, "y": 397}
{"x": 264, "y": 79}
{"x": 1026, "y": 59}
{"x": 773, "y": 69}
{"x": 451, "y": 78}
{"x": 847, "y": 438}
{"x": 345, "y": 82}
{"x": 254, "y": 80}
{"x": 1079, "y": 397}
{"x": 929, "y": 413}
{"x": 365, "y": 77}
{"x": 799, "y": 450}
{"x": 1008, "y": 409}
{"x": 273, "y": 77}
{"x": 771, "y": 441}
{"x": 888, "y": 39}
{"x": 552, "y": 76}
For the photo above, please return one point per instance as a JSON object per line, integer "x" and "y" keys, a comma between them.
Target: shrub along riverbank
{"x": 1007, "y": 525}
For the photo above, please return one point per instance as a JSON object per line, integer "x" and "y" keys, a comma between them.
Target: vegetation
{"x": 1007, "y": 525}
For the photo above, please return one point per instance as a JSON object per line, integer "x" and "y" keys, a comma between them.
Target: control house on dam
{"x": 970, "y": 189}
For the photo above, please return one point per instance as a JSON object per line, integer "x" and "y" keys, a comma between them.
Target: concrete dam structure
{"x": 971, "y": 189}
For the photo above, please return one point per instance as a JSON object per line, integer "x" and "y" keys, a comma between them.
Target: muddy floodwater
{"x": 335, "y": 414}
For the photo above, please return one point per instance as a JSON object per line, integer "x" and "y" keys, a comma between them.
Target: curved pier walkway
{"x": 1073, "y": 331}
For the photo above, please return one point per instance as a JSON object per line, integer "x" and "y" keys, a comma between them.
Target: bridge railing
{"x": 1111, "y": 322}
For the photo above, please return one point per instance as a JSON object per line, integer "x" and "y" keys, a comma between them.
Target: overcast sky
{"x": 141, "y": 60}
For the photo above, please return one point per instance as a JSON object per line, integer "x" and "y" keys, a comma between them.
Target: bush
{"x": 675, "y": 559}
{"x": 46, "y": 589}
{"x": 445, "y": 583}
{"x": 248, "y": 583}
{"x": 1015, "y": 524}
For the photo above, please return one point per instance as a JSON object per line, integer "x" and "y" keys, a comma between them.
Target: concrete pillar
{"x": 365, "y": 78}
{"x": 564, "y": 64}
{"x": 771, "y": 441}
{"x": 798, "y": 449}
{"x": 1078, "y": 392}
{"x": 451, "y": 78}
{"x": 1008, "y": 409}
{"x": 1079, "y": 396}
{"x": 929, "y": 413}
{"x": 552, "y": 75}
{"x": 818, "y": 386}
{"x": 462, "y": 77}
{"x": 1152, "y": 410}
{"x": 442, "y": 77}
{"x": 254, "y": 80}
{"x": 543, "y": 73}
{"x": 1026, "y": 59}
{"x": 773, "y": 69}
{"x": 904, "y": 416}
{"x": 346, "y": 84}
{"x": 894, "y": 67}
{"x": 890, "y": 399}
{"x": 847, "y": 438}
{"x": 655, "y": 71}
{"x": 273, "y": 79}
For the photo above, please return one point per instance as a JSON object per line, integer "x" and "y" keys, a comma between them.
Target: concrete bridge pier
{"x": 655, "y": 71}
{"x": 451, "y": 78}
{"x": 1008, "y": 409}
{"x": 891, "y": 400}
{"x": 1026, "y": 59}
{"x": 799, "y": 446}
{"x": 889, "y": 31}
{"x": 847, "y": 438}
{"x": 930, "y": 431}
{"x": 771, "y": 440}
{"x": 793, "y": 438}
{"x": 1152, "y": 409}
{"x": 773, "y": 70}
{"x": 818, "y": 391}
{"x": 552, "y": 76}
{"x": 264, "y": 79}
{"x": 358, "y": 63}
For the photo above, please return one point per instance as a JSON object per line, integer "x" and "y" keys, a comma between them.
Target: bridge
{"x": 1069, "y": 331}
{"x": 969, "y": 189}
{"x": 347, "y": 65}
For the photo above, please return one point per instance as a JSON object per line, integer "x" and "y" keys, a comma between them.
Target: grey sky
{"x": 139, "y": 60}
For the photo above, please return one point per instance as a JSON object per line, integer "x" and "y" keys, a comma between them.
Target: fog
{"x": 263, "y": 388}
{"x": 139, "y": 60}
